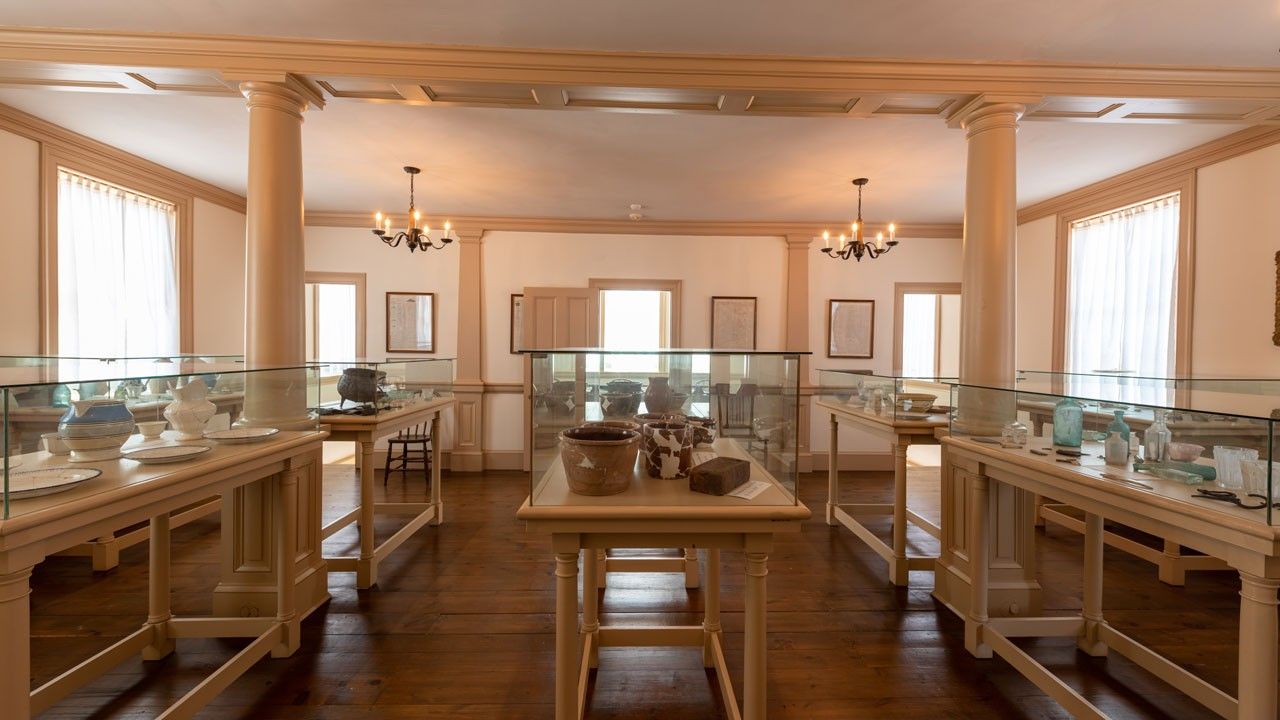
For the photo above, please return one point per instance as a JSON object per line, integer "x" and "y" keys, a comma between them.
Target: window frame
{"x": 900, "y": 291}
{"x": 1184, "y": 280}
{"x": 313, "y": 277}
{"x": 51, "y": 160}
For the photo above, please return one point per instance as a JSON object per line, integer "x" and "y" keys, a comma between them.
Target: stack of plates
{"x": 165, "y": 453}
{"x": 239, "y": 436}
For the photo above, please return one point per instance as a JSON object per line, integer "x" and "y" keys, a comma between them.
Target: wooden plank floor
{"x": 461, "y": 626}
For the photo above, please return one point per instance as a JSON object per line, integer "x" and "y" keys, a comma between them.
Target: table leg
{"x": 437, "y": 500}
{"x": 1258, "y": 635}
{"x": 833, "y": 471}
{"x": 158, "y": 586}
{"x": 753, "y": 662}
{"x": 898, "y": 571}
{"x": 1171, "y": 568}
{"x": 366, "y": 566}
{"x": 690, "y": 568}
{"x": 711, "y": 606}
{"x": 979, "y": 567}
{"x": 1094, "y": 543}
{"x": 602, "y": 559}
{"x": 590, "y": 603}
{"x": 566, "y": 635}
{"x": 15, "y": 645}
{"x": 286, "y": 522}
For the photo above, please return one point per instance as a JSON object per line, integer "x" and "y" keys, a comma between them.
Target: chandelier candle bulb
{"x": 826, "y": 239}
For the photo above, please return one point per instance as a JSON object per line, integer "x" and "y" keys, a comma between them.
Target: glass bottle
{"x": 1068, "y": 423}
{"x": 1156, "y": 439}
{"x": 1119, "y": 425}
{"x": 1013, "y": 435}
{"x": 1116, "y": 450}
{"x": 61, "y": 396}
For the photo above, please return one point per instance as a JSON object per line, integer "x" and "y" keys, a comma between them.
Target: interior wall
{"x": 1034, "y": 318}
{"x": 1237, "y": 223}
{"x": 20, "y": 244}
{"x": 218, "y": 253}
{"x": 751, "y": 266}
{"x": 913, "y": 260}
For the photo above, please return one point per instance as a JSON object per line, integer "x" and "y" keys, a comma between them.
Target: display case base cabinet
{"x": 578, "y": 643}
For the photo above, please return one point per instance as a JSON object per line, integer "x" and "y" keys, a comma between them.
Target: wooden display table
{"x": 659, "y": 514}
{"x": 128, "y": 493}
{"x": 901, "y": 434}
{"x": 1251, "y": 546}
{"x": 365, "y": 430}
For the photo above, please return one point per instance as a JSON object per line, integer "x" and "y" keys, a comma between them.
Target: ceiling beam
{"x": 234, "y": 55}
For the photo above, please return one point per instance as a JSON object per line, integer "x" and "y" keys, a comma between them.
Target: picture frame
{"x": 1275, "y": 336}
{"x": 517, "y": 322}
{"x": 733, "y": 322}
{"x": 411, "y": 322}
{"x": 851, "y": 328}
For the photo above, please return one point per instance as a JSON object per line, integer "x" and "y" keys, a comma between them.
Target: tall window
{"x": 927, "y": 329}
{"x": 1122, "y": 285}
{"x": 117, "y": 270}
{"x": 334, "y": 305}
{"x": 634, "y": 320}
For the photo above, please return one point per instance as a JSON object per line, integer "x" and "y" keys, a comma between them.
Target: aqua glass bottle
{"x": 1068, "y": 423}
{"x": 61, "y": 396}
{"x": 1119, "y": 425}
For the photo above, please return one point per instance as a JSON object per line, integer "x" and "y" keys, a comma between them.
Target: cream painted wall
{"x": 708, "y": 266}
{"x": 20, "y": 244}
{"x": 218, "y": 253}
{"x": 1237, "y": 226}
{"x": 1034, "y": 327}
{"x": 914, "y": 260}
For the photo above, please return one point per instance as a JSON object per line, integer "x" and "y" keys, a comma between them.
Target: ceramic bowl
{"x": 598, "y": 460}
{"x": 54, "y": 445}
{"x": 152, "y": 429}
{"x": 1184, "y": 452}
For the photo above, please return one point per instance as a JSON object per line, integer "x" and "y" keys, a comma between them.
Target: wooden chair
{"x": 735, "y": 410}
{"x": 410, "y": 447}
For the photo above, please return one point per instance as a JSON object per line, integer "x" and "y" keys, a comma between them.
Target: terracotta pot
{"x": 667, "y": 449}
{"x": 598, "y": 460}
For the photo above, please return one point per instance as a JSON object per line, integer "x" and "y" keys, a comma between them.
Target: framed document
{"x": 517, "y": 321}
{"x": 733, "y": 323}
{"x": 411, "y": 322}
{"x": 851, "y": 328}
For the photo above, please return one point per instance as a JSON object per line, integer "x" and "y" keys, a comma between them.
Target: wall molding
{"x": 74, "y": 145}
{"x": 1156, "y": 173}
{"x": 610, "y": 226}
{"x": 233, "y": 56}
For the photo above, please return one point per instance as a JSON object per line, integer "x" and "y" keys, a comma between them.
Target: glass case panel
{"x": 895, "y": 398}
{"x": 74, "y": 427}
{"x": 371, "y": 387}
{"x": 1205, "y": 441}
{"x": 614, "y": 422}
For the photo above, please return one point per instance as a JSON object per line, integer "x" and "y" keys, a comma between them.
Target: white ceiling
{"x": 481, "y": 161}
{"x": 1190, "y": 32}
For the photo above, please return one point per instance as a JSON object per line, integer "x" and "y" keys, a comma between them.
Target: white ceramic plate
{"x": 165, "y": 453}
{"x": 241, "y": 435}
{"x": 34, "y": 483}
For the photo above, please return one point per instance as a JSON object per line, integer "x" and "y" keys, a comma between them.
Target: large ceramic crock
{"x": 95, "y": 429}
{"x": 598, "y": 460}
{"x": 360, "y": 385}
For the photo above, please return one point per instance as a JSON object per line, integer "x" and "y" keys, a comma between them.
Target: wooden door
{"x": 557, "y": 317}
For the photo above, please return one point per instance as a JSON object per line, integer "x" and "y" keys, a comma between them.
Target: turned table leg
{"x": 833, "y": 471}
{"x": 898, "y": 569}
{"x": 1258, "y": 650}
{"x": 691, "y": 579}
{"x": 566, "y": 635}
{"x": 15, "y": 645}
{"x": 590, "y": 603}
{"x": 711, "y": 607}
{"x": 366, "y": 567}
{"x": 158, "y": 607}
{"x": 1094, "y": 543}
{"x": 437, "y": 500}
{"x": 753, "y": 663}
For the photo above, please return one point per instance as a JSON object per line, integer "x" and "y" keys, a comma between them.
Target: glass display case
{"x": 76, "y": 426}
{"x": 1206, "y": 441}
{"x": 369, "y": 387}
{"x": 618, "y": 422}
{"x": 892, "y": 396}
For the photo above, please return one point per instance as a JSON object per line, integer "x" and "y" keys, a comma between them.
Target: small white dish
{"x": 46, "y": 481}
{"x": 151, "y": 430}
{"x": 165, "y": 453}
{"x": 53, "y": 444}
{"x": 236, "y": 436}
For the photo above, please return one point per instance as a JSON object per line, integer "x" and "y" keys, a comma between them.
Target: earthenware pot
{"x": 190, "y": 411}
{"x": 598, "y": 460}
{"x": 360, "y": 385}
{"x": 704, "y": 429}
{"x": 95, "y": 429}
{"x": 620, "y": 397}
{"x": 667, "y": 449}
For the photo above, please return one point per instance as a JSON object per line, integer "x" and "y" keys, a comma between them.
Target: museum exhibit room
{"x": 511, "y": 360}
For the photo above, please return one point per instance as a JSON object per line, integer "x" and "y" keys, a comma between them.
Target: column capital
{"x": 799, "y": 240}
{"x": 984, "y": 112}
{"x": 288, "y": 94}
{"x": 470, "y": 237}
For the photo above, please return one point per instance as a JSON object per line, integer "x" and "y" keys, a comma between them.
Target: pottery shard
{"x": 719, "y": 475}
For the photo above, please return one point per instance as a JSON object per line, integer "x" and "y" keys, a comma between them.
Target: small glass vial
{"x": 1116, "y": 450}
{"x": 1014, "y": 435}
{"x": 1156, "y": 439}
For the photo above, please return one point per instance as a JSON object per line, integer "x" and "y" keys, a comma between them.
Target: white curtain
{"x": 919, "y": 334}
{"x": 117, "y": 271}
{"x": 1121, "y": 290}
{"x": 336, "y": 311}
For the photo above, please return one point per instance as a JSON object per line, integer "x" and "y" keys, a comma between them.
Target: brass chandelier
{"x": 415, "y": 236}
{"x": 854, "y": 246}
